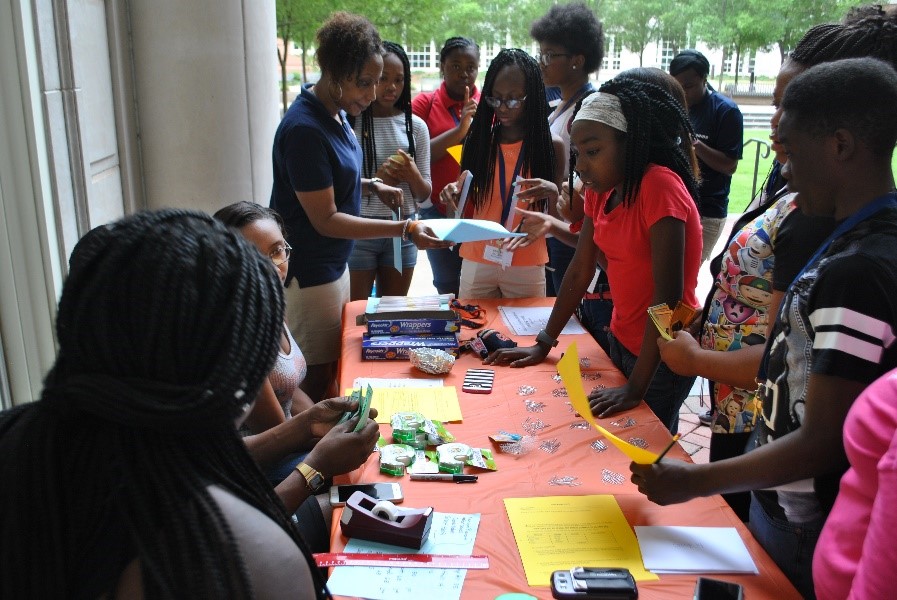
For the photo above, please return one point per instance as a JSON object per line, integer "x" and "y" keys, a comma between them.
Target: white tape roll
{"x": 386, "y": 510}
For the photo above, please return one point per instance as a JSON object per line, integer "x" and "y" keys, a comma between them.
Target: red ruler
{"x": 419, "y": 561}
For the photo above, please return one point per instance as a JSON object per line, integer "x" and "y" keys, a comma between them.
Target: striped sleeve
{"x": 853, "y": 313}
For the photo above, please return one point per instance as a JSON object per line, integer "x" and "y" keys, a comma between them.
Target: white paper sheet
{"x": 468, "y": 230}
{"x": 450, "y": 533}
{"x": 531, "y": 320}
{"x": 694, "y": 550}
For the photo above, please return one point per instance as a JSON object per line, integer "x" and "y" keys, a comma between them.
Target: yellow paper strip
{"x": 435, "y": 403}
{"x": 568, "y": 369}
{"x": 560, "y": 532}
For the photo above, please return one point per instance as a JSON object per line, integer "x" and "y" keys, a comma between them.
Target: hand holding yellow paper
{"x": 568, "y": 369}
{"x": 669, "y": 321}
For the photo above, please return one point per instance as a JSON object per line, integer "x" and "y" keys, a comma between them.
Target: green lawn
{"x": 740, "y": 195}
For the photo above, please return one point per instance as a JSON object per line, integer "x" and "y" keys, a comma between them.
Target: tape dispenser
{"x": 367, "y": 518}
{"x": 452, "y": 457}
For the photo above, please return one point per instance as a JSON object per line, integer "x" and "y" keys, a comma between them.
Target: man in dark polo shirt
{"x": 719, "y": 133}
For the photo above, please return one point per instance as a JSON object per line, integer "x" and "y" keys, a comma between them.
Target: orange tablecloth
{"x": 529, "y": 475}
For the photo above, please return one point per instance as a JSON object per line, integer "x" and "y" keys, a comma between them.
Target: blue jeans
{"x": 595, "y": 316}
{"x": 559, "y": 257}
{"x": 667, "y": 391}
{"x": 445, "y": 262}
{"x": 790, "y": 545}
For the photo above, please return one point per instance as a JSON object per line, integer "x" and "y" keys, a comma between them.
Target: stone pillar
{"x": 205, "y": 99}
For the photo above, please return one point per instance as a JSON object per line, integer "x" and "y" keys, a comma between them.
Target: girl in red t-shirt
{"x": 644, "y": 231}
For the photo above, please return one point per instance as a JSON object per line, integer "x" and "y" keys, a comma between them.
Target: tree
{"x": 297, "y": 20}
{"x": 634, "y": 23}
{"x": 800, "y": 15}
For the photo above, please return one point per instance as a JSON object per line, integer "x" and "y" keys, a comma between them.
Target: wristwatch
{"x": 374, "y": 180}
{"x": 545, "y": 339}
{"x": 313, "y": 478}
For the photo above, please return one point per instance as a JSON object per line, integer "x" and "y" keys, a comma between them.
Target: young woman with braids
{"x": 448, "y": 112}
{"x": 396, "y": 147}
{"x": 596, "y": 308}
{"x": 509, "y": 139}
{"x": 318, "y": 188}
{"x": 571, "y": 48}
{"x": 643, "y": 229}
{"x": 128, "y": 477}
{"x": 766, "y": 249}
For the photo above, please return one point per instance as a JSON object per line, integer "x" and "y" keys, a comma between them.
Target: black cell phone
{"x": 716, "y": 589}
{"x": 593, "y": 583}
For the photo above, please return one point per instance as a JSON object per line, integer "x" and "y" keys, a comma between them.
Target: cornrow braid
{"x": 867, "y": 34}
{"x": 481, "y": 146}
{"x": 453, "y": 43}
{"x": 167, "y": 326}
{"x": 869, "y": 31}
{"x": 403, "y": 103}
{"x": 655, "y": 122}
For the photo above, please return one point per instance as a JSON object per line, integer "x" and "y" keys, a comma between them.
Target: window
{"x": 420, "y": 58}
{"x": 666, "y": 55}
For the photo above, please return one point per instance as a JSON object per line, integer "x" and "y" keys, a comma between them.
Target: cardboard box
{"x": 396, "y": 347}
{"x": 413, "y": 323}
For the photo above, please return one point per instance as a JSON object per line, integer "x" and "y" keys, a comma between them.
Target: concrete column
{"x": 206, "y": 100}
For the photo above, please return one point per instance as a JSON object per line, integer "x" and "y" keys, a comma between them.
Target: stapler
{"x": 367, "y": 518}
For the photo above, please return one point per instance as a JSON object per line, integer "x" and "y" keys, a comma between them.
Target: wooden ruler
{"x": 418, "y": 561}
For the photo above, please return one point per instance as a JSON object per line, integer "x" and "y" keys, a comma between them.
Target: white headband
{"x": 603, "y": 108}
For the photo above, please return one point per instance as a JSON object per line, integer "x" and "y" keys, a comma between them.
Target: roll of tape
{"x": 386, "y": 510}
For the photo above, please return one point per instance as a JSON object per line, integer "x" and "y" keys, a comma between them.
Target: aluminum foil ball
{"x": 431, "y": 360}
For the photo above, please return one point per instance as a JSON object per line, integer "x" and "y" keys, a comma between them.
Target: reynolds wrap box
{"x": 439, "y": 322}
{"x": 396, "y": 347}
{"x": 401, "y": 315}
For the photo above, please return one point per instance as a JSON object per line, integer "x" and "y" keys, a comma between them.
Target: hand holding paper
{"x": 668, "y": 321}
{"x": 568, "y": 368}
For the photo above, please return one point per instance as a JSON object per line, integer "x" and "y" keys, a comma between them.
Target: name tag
{"x": 498, "y": 255}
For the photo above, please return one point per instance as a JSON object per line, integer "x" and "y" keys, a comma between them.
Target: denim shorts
{"x": 369, "y": 255}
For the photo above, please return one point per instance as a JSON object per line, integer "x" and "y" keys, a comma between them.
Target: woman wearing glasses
{"x": 280, "y": 396}
{"x": 448, "y": 112}
{"x": 571, "y": 47}
{"x": 514, "y": 162}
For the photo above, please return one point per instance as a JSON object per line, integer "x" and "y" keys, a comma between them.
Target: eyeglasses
{"x": 280, "y": 255}
{"x": 546, "y": 57}
{"x": 459, "y": 68}
{"x": 511, "y": 103}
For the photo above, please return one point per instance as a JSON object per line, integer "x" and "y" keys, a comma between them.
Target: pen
{"x": 443, "y": 477}
{"x": 667, "y": 449}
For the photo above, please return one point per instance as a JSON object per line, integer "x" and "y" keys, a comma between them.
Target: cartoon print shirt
{"x": 737, "y": 314}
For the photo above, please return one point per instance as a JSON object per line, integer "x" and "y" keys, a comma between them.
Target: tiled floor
{"x": 695, "y": 437}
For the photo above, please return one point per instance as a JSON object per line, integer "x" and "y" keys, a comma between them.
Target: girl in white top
{"x": 396, "y": 149}
{"x": 280, "y": 396}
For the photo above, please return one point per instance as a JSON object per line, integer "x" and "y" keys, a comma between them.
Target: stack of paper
{"x": 694, "y": 550}
{"x": 449, "y": 534}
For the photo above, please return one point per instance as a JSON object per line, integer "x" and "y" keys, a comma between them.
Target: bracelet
{"x": 409, "y": 229}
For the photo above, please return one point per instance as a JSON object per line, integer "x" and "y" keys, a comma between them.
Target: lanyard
{"x": 455, "y": 117}
{"x": 507, "y": 194}
{"x": 880, "y": 203}
{"x": 556, "y": 114}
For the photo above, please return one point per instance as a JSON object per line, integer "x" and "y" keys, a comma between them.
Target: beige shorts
{"x": 315, "y": 318}
{"x": 481, "y": 280}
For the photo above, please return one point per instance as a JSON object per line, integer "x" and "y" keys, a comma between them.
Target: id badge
{"x": 498, "y": 255}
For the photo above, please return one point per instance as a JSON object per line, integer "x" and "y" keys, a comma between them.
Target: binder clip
{"x": 367, "y": 518}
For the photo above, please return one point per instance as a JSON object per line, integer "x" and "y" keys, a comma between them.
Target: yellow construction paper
{"x": 455, "y": 152}
{"x": 568, "y": 369}
{"x": 560, "y": 532}
{"x": 435, "y": 403}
